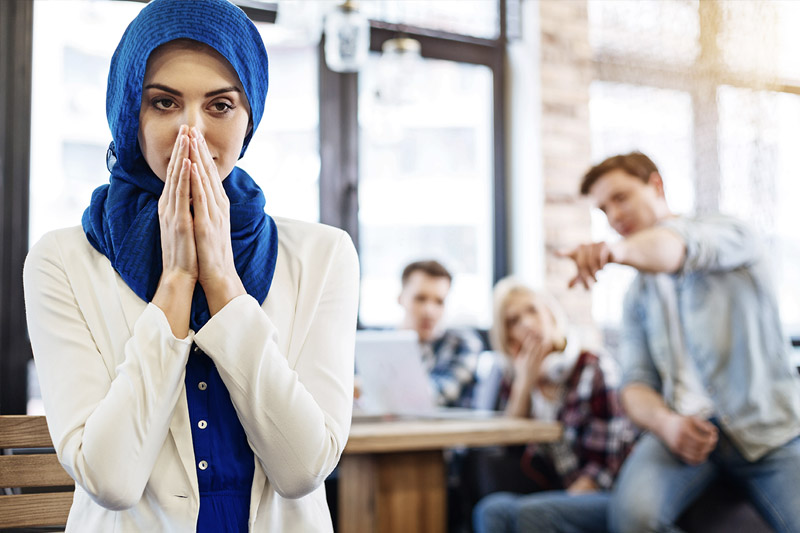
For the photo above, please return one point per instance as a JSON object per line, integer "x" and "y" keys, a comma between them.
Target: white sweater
{"x": 112, "y": 380}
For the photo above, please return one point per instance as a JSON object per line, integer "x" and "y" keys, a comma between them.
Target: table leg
{"x": 393, "y": 492}
{"x": 358, "y": 477}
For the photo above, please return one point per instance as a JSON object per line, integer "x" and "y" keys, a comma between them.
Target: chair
{"x": 37, "y": 491}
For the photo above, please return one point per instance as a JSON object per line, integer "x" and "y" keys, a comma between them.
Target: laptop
{"x": 393, "y": 380}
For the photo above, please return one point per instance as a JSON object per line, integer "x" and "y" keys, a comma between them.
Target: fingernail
{"x": 183, "y": 141}
{"x": 194, "y": 144}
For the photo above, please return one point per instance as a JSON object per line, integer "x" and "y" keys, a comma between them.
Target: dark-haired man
{"x": 450, "y": 356}
{"x": 705, "y": 362}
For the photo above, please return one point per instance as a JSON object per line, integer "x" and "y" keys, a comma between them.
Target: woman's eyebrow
{"x": 163, "y": 88}
{"x": 176, "y": 92}
{"x": 223, "y": 90}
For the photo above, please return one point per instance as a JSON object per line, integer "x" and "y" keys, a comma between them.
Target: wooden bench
{"x": 37, "y": 492}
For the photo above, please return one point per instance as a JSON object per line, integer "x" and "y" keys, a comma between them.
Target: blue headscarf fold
{"x": 122, "y": 220}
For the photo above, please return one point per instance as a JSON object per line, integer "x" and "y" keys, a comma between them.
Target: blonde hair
{"x": 504, "y": 290}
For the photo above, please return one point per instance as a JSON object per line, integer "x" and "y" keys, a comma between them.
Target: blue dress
{"x": 223, "y": 459}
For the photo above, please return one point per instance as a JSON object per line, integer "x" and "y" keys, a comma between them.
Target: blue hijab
{"x": 122, "y": 220}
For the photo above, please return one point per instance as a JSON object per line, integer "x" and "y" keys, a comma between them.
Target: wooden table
{"x": 392, "y": 473}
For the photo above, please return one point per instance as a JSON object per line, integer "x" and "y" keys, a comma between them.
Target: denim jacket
{"x": 731, "y": 329}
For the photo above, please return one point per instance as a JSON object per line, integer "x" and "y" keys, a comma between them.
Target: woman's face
{"x": 526, "y": 316}
{"x": 196, "y": 87}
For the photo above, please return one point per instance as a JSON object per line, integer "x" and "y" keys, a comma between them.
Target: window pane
{"x": 761, "y": 38}
{"x": 425, "y": 186}
{"x": 283, "y": 156}
{"x": 657, "y": 122}
{"x": 477, "y": 18}
{"x": 72, "y": 46}
{"x": 662, "y": 31}
{"x": 759, "y": 135}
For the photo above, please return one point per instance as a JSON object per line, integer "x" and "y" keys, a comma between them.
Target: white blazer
{"x": 112, "y": 380}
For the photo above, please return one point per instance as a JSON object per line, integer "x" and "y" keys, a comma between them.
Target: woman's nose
{"x": 194, "y": 119}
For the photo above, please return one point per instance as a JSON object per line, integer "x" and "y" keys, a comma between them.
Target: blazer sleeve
{"x": 297, "y": 418}
{"x": 108, "y": 424}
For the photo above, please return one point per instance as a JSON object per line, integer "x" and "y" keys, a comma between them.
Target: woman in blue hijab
{"x": 195, "y": 354}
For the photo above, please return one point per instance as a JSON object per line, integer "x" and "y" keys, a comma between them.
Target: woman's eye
{"x": 163, "y": 103}
{"x": 221, "y": 107}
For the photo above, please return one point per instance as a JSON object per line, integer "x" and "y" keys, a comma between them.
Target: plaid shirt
{"x": 597, "y": 435}
{"x": 451, "y": 361}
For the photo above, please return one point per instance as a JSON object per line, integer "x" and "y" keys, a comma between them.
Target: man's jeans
{"x": 654, "y": 487}
{"x": 542, "y": 512}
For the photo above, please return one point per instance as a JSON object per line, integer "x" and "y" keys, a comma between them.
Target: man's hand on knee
{"x": 690, "y": 438}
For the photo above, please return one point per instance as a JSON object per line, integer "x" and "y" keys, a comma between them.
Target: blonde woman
{"x": 551, "y": 377}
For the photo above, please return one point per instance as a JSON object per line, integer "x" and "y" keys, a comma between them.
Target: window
{"x": 426, "y": 186}
{"x": 717, "y": 108}
{"x": 72, "y": 46}
{"x": 759, "y": 135}
{"x": 476, "y": 18}
{"x": 283, "y": 156}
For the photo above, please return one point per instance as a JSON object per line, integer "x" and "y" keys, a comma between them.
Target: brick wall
{"x": 565, "y": 76}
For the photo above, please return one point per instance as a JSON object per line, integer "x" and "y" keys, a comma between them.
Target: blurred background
{"x": 451, "y": 130}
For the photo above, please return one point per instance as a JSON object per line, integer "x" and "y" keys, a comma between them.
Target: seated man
{"x": 450, "y": 356}
{"x": 705, "y": 363}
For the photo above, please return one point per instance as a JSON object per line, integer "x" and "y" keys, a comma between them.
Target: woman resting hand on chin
{"x": 195, "y": 354}
{"x": 550, "y": 377}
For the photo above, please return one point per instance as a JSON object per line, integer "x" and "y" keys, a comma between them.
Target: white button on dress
{"x": 202, "y": 424}
{"x": 202, "y": 465}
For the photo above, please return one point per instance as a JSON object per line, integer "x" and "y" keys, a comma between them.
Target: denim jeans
{"x": 542, "y": 512}
{"x": 654, "y": 486}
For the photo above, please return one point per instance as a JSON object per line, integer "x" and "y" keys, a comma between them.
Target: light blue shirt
{"x": 731, "y": 329}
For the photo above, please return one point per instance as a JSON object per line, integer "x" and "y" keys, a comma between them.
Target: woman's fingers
{"x": 199, "y": 193}
{"x": 211, "y": 173}
{"x": 183, "y": 190}
{"x": 169, "y": 195}
{"x": 173, "y": 158}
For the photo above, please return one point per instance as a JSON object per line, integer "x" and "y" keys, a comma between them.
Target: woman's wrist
{"x": 219, "y": 291}
{"x": 174, "y": 297}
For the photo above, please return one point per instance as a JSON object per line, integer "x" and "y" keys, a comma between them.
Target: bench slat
{"x": 31, "y": 510}
{"x": 42, "y": 470}
{"x": 20, "y": 431}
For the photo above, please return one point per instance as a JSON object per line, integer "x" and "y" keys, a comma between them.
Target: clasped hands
{"x": 197, "y": 249}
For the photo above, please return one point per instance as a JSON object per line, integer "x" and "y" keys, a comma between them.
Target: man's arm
{"x": 690, "y": 438}
{"x": 652, "y": 250}
{"x": 713, "y": 244}
{"x": 645, "y": 407}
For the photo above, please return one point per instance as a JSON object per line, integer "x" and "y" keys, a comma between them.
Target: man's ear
{"x": 656, "y": 181}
